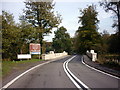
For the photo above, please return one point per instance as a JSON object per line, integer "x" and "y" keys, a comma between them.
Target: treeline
{"x": 37, "y": 20}
{"x": 112, "y": 42}
{"x": 87, "y": 36}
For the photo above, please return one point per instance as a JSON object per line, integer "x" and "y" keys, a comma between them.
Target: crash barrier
{"x": 92, "y": 55}
{"x": 52, "y": 55}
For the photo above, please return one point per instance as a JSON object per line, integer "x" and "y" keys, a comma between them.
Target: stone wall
{"x": 52, "y": 55}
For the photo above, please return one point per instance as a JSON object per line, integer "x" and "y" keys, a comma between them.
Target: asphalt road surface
{"x": 66, "y": 73}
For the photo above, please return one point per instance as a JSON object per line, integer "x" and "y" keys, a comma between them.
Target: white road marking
{"x": 75, "y": 83}
{"x": 70, "y": 76}
{"x": 99, "y": 70}
{"x": 12, "y": 81}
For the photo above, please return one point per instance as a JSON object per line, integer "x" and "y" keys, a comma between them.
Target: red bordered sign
{"x": 34, "y": 48}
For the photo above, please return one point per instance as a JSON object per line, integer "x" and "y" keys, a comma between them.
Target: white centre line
{"x": 71, "y": 75}
{"x": 76, "y": 84}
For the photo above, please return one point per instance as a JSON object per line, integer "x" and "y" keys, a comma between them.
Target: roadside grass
{"x": 8, "y": 66}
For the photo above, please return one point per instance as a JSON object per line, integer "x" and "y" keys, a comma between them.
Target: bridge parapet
{"x": 92, "y": 55}
{"x": 52, "y": 55}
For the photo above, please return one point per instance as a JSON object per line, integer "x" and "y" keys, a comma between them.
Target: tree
{"x": 87, "y": 37}
{"x": 87, "y": 40}
{"x": 88, "y": 19}
{"x": 48, "y": 46}
{"x": 105, "y": 39}
{"x": 10, "y": 36}
{"x": 27, "y": 35}
{"x": 62, "y": 40}
{"x": 73, "y": 45}
{"x": 115, "y": 8}
{"x": 42, "y": 17}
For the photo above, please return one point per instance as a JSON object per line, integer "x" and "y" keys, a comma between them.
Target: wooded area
{"x": 39, "y": 19}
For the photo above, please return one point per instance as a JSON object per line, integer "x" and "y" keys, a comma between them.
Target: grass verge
{"x": 111, "y": 61}
{"x": 9, "y": 66}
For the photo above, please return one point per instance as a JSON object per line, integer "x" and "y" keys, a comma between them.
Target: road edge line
{"x": 98, "y": 70}
{"x": 16, "y": 78}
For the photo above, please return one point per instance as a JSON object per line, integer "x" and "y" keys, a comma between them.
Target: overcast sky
{"x": 69, "y": 10}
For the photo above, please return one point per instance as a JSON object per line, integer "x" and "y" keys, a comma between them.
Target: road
{"x": 63, "y": 73}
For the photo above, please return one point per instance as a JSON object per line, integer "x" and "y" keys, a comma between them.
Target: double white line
{"x": 79, "y": 84}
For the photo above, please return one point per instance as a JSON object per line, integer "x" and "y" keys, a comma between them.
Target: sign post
{"x": 35, "y": 48}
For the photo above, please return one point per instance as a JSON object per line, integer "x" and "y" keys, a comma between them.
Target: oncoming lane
{"x": 90, "y": 77}
{"x": 64, "y": 73}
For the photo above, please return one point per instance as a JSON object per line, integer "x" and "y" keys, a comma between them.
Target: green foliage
{"x": 15, "y": 38}
{"x": 104, "y": 43}
{"x": 62, "y": 40}
{"x": 110, "y": 43}
{"x": 41, "y": 14}
{"x": 42, "y": 17}
{"x": 88, "y": 19}
{"x": 37, "y": 21}
{"x": 10, "y": 36}
{"x": 87, "y": 40}
{"x": 87, "y": 37}
{"x": 27, "y": 35}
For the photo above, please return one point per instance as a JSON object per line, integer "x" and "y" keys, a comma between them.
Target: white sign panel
{"x": 24, "y": 56}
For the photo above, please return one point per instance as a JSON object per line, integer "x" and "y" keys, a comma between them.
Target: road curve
{"x": 53, "y": 75}
{"x": 93, "y": 79}
{"x": 50, "y": 75}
